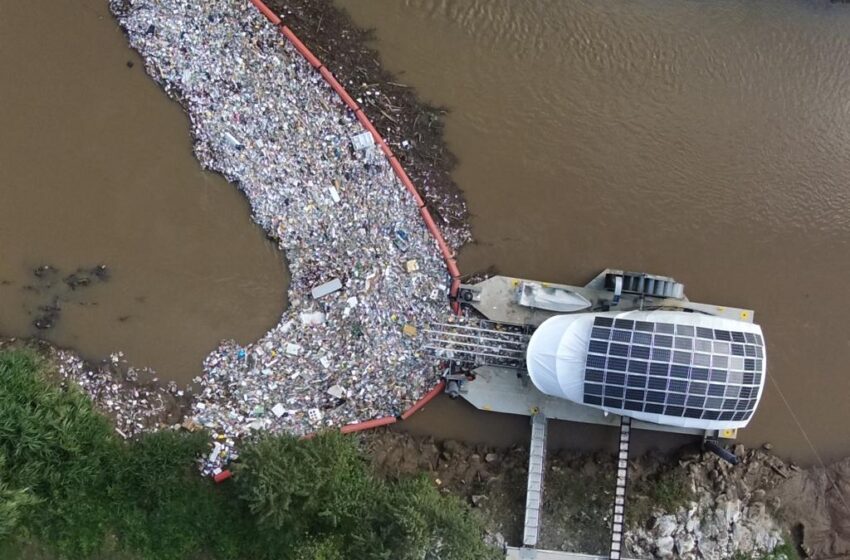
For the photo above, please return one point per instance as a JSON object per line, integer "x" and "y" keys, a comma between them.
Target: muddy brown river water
{"x": 708, "y": 141}
{"x": 705, "y": 141}
{"x": 96, "y": 166}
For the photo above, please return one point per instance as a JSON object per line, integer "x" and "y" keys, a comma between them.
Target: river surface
{"x": 705, "y": 141}
{"x": 708, "y": 141}
{"x": 96, "y": 166}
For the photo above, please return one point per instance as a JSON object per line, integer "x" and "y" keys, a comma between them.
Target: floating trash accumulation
{"x": 365, "y": 271}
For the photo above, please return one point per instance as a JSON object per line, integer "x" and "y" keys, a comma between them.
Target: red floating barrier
{"x": 455, "y": 287}
{"x": 405, "y": 180}
{"x": 386, "y": 149}
{"x": 451, "y": 264}
{"x": 301, "y": 47}
{"x": 266, "y": 11}
{"x": 337, "y": 87}
{"x": 435, "y": 231}
{"x": 222, "y": 476}
{"x": 368, "y": 424}
{"x": 424, "y": 400}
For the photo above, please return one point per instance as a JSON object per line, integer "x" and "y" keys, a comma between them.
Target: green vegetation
{"x": 581, "y": 499}
{"x": 783, "y": 551}
{"x": 665, "y": 490}
{"x": 70, "y": 487}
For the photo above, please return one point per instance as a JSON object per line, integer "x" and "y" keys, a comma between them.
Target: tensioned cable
{"x": 811, "y": 445}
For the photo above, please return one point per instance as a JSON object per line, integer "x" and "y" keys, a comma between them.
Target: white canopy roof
{"x": 557, "y": 358}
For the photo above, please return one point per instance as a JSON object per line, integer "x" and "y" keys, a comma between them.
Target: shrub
{"x": 53, "y": 443}
{"x": 318, "y": 486}
{"x": 79, "y": 491}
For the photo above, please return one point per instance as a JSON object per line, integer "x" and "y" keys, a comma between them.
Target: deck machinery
{"x": 578, "y": 353}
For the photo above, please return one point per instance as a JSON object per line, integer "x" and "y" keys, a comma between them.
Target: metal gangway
{"x": 534, "y": 488}
{"x": 618, "y": 522}
{"x": 478, "y": 342}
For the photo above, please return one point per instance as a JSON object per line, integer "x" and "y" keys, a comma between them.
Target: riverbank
{"x": 134, "y": 399}
{"x": 684, "y": 504}
{"x": 688, "y": 505}
{"x": 71, "y": 488}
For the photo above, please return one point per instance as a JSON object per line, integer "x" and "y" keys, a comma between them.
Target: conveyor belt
{"x": 478, "y": 343}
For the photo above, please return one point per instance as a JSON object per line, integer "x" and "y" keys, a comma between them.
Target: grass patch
{"x": 577, "y": 501}
{"x": 783, "y": 551}
{"x": 70, "y": 488}
{"x": 666, "y": 490}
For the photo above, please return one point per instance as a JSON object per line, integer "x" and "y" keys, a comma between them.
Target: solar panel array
{"x": 675, "y": 370}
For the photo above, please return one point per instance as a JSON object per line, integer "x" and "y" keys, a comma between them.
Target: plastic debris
{"x": 401, "y": 240}
{"x": 265, "y": 119}
{"x": 334, "y": 194}
{"x": 411, "y": 266}
{"x": 362, "y": 141}
{"x": 312, "y": 318}
{"x": 327, "y": 288}
{"x": 336, "y": 392}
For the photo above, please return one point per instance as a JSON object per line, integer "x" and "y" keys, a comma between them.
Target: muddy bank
{"x": 683, "y": 505}
{"x": 413, "y": 128}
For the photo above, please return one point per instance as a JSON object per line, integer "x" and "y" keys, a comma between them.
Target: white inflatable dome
{"x": 668, "y": 367}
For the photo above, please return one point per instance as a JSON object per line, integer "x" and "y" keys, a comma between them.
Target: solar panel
{"x": 673, "y": 369}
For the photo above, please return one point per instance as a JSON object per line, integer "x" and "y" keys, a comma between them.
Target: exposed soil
{"x": 412, "y": 128}
{"x": 578, "y": 497}
{"x": 808, "y": 504}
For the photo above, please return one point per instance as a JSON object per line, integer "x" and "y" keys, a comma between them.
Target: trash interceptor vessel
{"x": 627, "y": 349}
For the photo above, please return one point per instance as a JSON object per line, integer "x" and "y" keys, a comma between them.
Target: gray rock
{"x": 665, "y": 526}
{"x": 496, "y": 540}
{"x": 664, "y": 547}
{"x": 741, "y": 539}
{"x": 685, "y": 545}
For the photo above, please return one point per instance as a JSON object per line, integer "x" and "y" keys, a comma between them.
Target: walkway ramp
{"x": 534, "y": 487}
{"x": 619, "y": 519}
